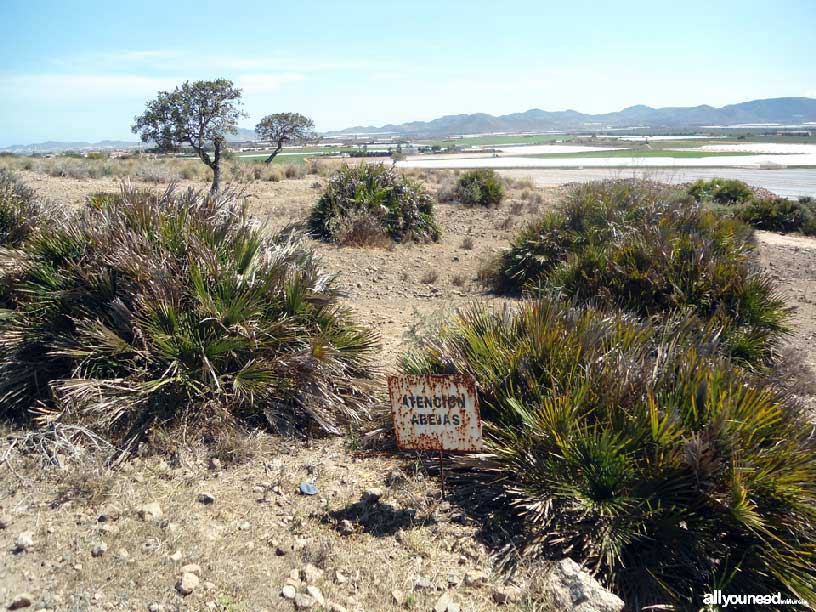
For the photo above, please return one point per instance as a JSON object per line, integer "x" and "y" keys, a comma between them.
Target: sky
{"x": 81, "y": 70}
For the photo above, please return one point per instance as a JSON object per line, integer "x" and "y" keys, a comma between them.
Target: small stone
{"x": 206, "y": 498}
{"x": 176, "y": 556}
{"x": 191, "y": 568}
{"x": 187, "y": 583}
{"x": 506, "y": 595}
{"x": 307, "y": 488}
{"x": 22, "y": 600}
{"x": 299, "y": 544}
{"x": 280, "y": 551}
{"x": 372, "y": 496}
{"x": 215, "y": 464}
{"x": 340, "y": 578}
{"x": 149, "y": 512}
{"x": 346, "y": 527}
{"x": 336, "y": 607}
{"x": 25, "y": 541}
{"x": 454, "y": 580}
{"x": 155, "y": 607}
{"x": 5, "y": 522}
{"x": 288, "y": 591}
{"x": 315, "y": 593}
{"x": 475, "y": 579}
{"x": 99, "y": 549}
{"x": 310, "y": 574}
{"x": 244, "y": 526}
{"x": 122, "y": 554}
{"x": 303, "y": 602}
{"x": 445, "y": 604}
{"x": 397, "y": 596}
{"x": 422, "y": 583}
{"x": 109, "y": 514}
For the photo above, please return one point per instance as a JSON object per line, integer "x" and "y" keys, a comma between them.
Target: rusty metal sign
{"x": 436, "y": 412}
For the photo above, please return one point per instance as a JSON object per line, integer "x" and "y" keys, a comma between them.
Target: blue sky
{"x": 82, "y": 69}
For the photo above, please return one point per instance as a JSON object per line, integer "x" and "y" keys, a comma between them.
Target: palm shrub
{"x": 371, "y": 202}
{"x": 168, "y": 308}
{"x": 19, "y": 210}
{"x": 640, "y": 247}
{"x": 479, "y": 188}
{"x": 639, "y": 451}
{"x": 720, "y": 191}
{"x": 779, "y": 215}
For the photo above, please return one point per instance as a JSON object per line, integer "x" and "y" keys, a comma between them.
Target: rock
{"x": 573, "y": 588}
{"x": 454, "y": 580}
{"x": 307, "y": 488}
{"x": 109, "y": 514}
{"x": 176, "y": 556}
{"x": 506, "y": 595}
{"x": 288, "y": 591}
{"x": 336, "y": 607}
{"x": 475, "y": 579}
{"x": 315, "y": 594}
{"x": 446, "y": 604}
{"x": 303, "y": 602}
{"x": 99, "y": 549}
{"x": 24, "y": 541}
{"x": 397, "y": 597}
{"x": 280, "y": 551}
{"x": 122, "y": 554}
{"x": 346, "y": 527}
{"x": 187, "y": 583}
{"x": 423, "y": 583}
{"x": 206, "y": 498}
{"x": 5, "y": 522}
{"x": 149, "y": 512}
{"x": 310, "y": 574}
{"x": 155, "y": 607}
{"x": 22, "y": 600}
{"x": 191, "y": 568}
{"x": 244, "y": 526}
{"x": 372, "y": 496}
{"x": 340, "y": 578}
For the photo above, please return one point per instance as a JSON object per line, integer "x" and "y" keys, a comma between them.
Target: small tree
{"x": 284, "y": 128}
{"x": 199, "y": 114}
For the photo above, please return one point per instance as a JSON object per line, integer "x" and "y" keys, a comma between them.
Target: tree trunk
{"x": 216, "y": 168}
{"x": 274, "y": 153}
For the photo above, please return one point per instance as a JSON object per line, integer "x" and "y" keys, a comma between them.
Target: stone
{"x": 206, "y": 498}
{"x": 423, "y": 583}
{"x": 149, "y": 512}
{"x": 109, "y": 514}
{"x": 191, "y": 568}
{"x": 475, "y": 579}
{"x": 99, "y": 549}
{"x": 215, "y": 464}
{"x": 155, "y": 607}
{"x": 454, "y": 580}
{"x": 506, "y": 594}
{"x": 336, "y": 607}
{"x": 22, "y": 600}
{"x": 303, "y": 602}
{"x": 315, "y": 594}
{"x": 572, "y": 587}
{"x": 372, "y": 496}
{"x": 446, "y": 604}
{"x": 397, "y": 597}
{"x": 340, "y": 578}
{"x": 244, "y": 526}
{"x": 24, "y": 541}
{"x": 176, "y": 556}
{"x": 310, "y": 574}
{"x": 288, "y": 591}
{"x": 346, "y": 527}
{"x": 187, "y": 583}
{"x": 5, "y": 522}
{"x": 280, "y": 551}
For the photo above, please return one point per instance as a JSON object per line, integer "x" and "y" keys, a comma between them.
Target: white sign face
{"x": 436, "y": 412}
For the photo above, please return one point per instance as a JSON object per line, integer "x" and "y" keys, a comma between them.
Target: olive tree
{"x": 285, "y": 128}
{"x": 199, "y": 114}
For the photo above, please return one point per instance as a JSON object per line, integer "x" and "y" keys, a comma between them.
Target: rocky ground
{"x": 228, "y": 528}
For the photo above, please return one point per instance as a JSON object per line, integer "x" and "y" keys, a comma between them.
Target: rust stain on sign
{"x": 436, "y": 412}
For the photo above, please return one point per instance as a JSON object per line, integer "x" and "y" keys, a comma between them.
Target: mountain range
{"x": 779, "y": 111}
{"x": 772, "y": 110}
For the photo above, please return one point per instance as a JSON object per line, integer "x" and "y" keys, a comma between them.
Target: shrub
{"x": 635, "y": 449}
{"x": 170, "y": 309}
{"x": 779, "y": 215}
{"x": 379, "y": 197}
{"x": 292, "y": 171}
{"x": 480, "y": 188}
{"x": 19, "y": 211}
{"x": 636, "y": 246}
{"x": 720, "y": 191}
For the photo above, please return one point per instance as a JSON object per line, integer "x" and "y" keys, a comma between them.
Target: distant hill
{"x": 772, "y": 110}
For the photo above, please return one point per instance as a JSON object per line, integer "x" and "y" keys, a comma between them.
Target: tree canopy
{"x": 199, "y": 114}
{"x": 285, "y": 128}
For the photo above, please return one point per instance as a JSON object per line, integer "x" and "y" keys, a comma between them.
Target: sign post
{"x": 436, "y": 412}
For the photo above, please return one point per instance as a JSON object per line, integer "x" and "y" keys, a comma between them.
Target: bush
{"x": 635, "y": 449}
{"x": 19, "y": 211}
{"x": 720, "y": 191}
{"x": 378, "y": 197}
{"x": 779, "y": 215}
{"x": 175, "y": 309}
{"x": 479, "y": 188}
{"x": 636, "y": 246}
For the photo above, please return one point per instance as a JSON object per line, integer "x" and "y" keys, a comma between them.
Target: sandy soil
{"x": 402, "y": 552}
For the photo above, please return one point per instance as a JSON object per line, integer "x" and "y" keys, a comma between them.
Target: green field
{"x": 496, "y": 140}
